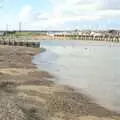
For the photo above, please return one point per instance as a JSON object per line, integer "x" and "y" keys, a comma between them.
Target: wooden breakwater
{"x": 19, "y": 42}
{"x": 89, "y": 37}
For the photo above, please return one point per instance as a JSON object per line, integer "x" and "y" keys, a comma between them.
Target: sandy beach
{"x": 26, "y": 93}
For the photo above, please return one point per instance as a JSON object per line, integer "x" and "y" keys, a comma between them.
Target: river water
{"x": 91, "y": 67}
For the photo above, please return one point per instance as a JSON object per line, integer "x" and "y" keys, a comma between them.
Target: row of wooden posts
{"x": 20, "y": 43}
{"x": 36, "y": 44}
{"x": 87, "y": 37}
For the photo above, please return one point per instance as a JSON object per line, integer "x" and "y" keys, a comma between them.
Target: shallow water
{"x": 93, "y": 67}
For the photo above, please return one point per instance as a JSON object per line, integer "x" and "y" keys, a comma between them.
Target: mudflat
{"x": 27, "y": 93}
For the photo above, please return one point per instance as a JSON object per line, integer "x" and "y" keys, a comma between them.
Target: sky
{"x": 59, "y": 14}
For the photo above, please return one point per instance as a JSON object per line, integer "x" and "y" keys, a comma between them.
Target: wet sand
{"x": 27, "y": 94}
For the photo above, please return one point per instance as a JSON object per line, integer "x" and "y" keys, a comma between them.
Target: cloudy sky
{"x": 60, "y": 14}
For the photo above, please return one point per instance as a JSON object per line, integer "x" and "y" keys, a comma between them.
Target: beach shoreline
{"x": 28, "y": 94}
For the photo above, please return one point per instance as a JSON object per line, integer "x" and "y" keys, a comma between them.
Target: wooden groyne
{"x": 89, "y": 37}
{"x": 20, "y": 43}
{"x": 35, "y": 42}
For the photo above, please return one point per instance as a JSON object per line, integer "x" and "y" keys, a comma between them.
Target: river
{"x": 89, "y": 66}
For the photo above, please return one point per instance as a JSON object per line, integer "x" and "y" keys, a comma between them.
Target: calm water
{"x": 93, "y": 67}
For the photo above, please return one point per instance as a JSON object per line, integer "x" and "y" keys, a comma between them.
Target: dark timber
{"x": 20, "y": 43}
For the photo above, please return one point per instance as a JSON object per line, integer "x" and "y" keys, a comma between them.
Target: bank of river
{"x": 92, "y": 67}
{"x": 27, "y": 93}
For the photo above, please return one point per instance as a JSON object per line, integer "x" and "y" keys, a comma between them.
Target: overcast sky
{"x": 60, "y": 14}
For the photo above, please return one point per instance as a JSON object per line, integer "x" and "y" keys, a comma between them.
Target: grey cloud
{"x": 39, "y": 16}
{"x": 110, "y": 4}
{"x": 102, "y": 4}
{"x": 84, "y": 2}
